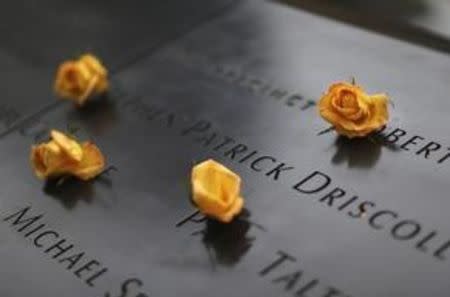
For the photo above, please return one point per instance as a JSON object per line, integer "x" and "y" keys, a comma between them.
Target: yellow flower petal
{"x": 37, "y": 160}
{"x": 216, "y": 190}
{"x": 49, "y": 162}
{"x": 79, "y": 80}
{"x": 68, "y": 145}
{"x": 94, "y": 64}
{"x": 351, "y": 111}
{"x": 92, "y": 163}
{"x": 64, "y": 156}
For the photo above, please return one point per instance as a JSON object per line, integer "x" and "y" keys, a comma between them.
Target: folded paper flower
{"x": 79, "y": 80}
{"x": 216, "y": 191}
{"x": 351, "y": 111}
{"x": 63, "y": 156}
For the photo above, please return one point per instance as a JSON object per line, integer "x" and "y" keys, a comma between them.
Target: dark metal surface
{"x": 423, "y": 22}
{"x": 431, "y": 15}
{"x": 251, "y": 76}
{"x": 38, "y": 35}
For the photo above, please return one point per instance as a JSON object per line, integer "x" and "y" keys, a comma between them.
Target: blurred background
{"x": 425, "y": 22}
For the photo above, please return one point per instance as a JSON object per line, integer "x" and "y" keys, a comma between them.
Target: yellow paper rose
{"x": 80, "y": 79}
{"x": 216, "y": 191}
{"x": 351, "y": 111}
{"x": 63, "y": 155}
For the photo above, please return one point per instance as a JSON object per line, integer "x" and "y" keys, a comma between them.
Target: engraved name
{"x": 403, "y": 140}
{"x": 318, "y": 185}
{"x": 56, "y": 246}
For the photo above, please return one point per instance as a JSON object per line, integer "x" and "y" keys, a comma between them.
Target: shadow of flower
{"x": 357, "y": 153}
{"x": 361, "y": 152}
{"x": 227, "y": 243}
{"x": 69, "y": 191}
